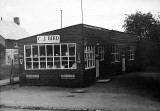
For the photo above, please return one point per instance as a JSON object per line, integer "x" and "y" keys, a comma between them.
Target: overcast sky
{"x": 37, "y": 16}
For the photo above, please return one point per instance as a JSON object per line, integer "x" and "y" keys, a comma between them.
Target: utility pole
{"x": 61, "y": 18}
{"x": 82, "y": 10}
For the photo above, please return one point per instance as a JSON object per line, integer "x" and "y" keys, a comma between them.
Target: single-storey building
{"x": 75, "y": 56}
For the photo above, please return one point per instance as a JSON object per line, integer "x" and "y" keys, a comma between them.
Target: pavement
{"x": 127, "y": 92}
{"x": 8, "y": 81}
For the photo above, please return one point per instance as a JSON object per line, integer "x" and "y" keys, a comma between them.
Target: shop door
{"x": 97, "y": 68}
{"x": 123, "y": 62}
{"x": 97, "y": 61}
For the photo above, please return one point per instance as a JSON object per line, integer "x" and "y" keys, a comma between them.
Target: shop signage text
{"x": 48, "y": 39}
{"x": 67, "y": 76}
{"x": 32, "y": 76}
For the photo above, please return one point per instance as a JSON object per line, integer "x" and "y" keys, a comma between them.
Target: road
{"x": 127, "y": 92}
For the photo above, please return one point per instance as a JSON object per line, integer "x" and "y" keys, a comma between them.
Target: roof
{"x": 2, "y": 41}
{"x": 10, "y": 30}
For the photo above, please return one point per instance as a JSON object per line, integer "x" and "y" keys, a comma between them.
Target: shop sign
{"x": 67, "y": 76}
{"x": 48, "y": 39}
{"x": 32, "y": 76}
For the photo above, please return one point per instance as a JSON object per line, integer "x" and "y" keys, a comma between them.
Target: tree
{"x": 147, "y": 28}
{"x": 144, "y": 25}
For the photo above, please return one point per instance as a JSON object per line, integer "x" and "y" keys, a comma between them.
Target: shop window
{"x": 115, "y": 54}
{"x": 131, "y": 53}
{"x": 57, "y": 56}
{"x": 89, "y": 53}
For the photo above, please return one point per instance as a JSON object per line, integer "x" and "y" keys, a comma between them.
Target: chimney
{"x": 16, "y": 20}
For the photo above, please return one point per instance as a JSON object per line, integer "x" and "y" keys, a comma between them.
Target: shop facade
{"x": 74, "y": 56}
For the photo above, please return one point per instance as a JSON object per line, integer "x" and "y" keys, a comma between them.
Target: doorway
{"x": 123, "y": 61}
{"x": 97, "y": 61}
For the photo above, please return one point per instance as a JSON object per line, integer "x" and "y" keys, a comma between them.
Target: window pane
{"x": 85, "y": 56}
{"x": 64, "y": 51}
{"x": 35, "y": 65}
{"x": 72, "y": 58}
{"x": 50, "y": 59}
{"x": 28, "y": 65}
{"x": 56, "y": 50}
{"x": 42, "y": 59}
{"x": 35, "y": 51}
{"x": 28, "y": 59}
{"x": 85, "y": 64}
{"x": 72, "y": 65}
{"x": 88, "y": 63}
{"x": 49, "y": 65}
{"x": 64, "y": 64}
{"x": 35, "y": 59}
{"x": 28, "y": 51}
{"x": 42, "y": 50}
{"x": 42, "y": 65}
{"x": 57, "y": 59}
{"x": 113, "y": 57}
{"x": 65, "y": 58}
{"x": 71, "y": 49}
{"x": 57, "y": 64}
{"x": 49, "y": 50}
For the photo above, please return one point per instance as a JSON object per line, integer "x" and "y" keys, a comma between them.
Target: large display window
{"x": 50, "y": 56}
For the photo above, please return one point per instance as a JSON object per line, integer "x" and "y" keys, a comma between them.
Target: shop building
{"x": 75, "y": 56}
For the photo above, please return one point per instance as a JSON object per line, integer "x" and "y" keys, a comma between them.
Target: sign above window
{"x": 48, "y": 39}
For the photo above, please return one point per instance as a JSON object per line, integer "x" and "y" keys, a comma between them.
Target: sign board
{"x": 48, "y": 39}
{"x": 32, "y": 76}
{"x": 67, "y": 76}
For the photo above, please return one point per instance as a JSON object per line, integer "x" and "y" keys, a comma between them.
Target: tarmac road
{"x": 127, "y": 92}
{"x": 12, "y": 109}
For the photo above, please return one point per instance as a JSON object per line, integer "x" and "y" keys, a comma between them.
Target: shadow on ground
{"x": 143, "y": 84}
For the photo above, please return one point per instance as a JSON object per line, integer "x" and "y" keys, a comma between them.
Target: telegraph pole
{"x": 82, "y": 10}
{"x": 61, "y": 18}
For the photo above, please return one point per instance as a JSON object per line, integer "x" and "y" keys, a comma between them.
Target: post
{"x": 61, "y": 18}
{"x": 123, "y": 63}
{"x": 11, "y": 75}
{"x": 82, "y": 10}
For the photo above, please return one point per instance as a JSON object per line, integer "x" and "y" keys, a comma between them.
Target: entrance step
{"x": 103, "y": 80}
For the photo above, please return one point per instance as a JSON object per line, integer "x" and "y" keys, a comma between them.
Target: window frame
{"x": 89, "y": 56}
{"x": 46, "y": 56}
{"x": 101, "y": 52}
{"x": 115, "y": 52}
{"x": 131, "y": 52}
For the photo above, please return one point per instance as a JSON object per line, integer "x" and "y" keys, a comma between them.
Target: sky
{"x": 38, "y": 16}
